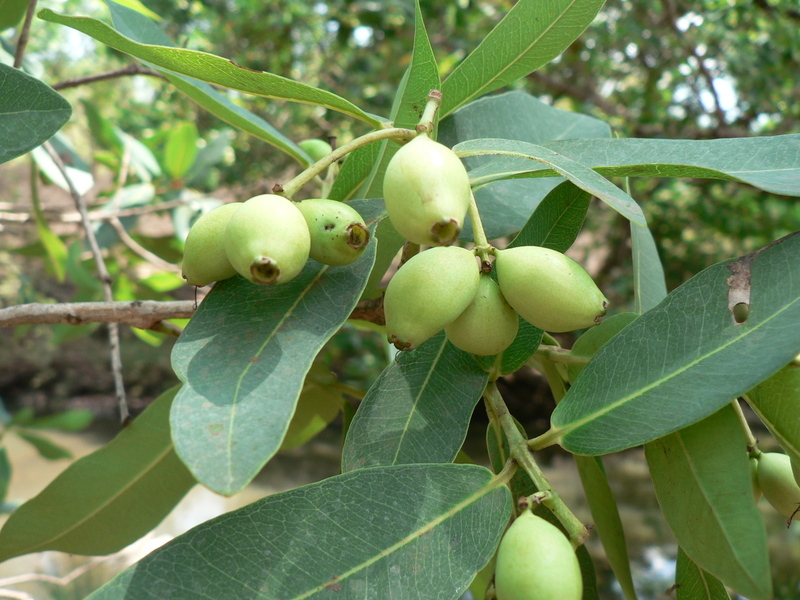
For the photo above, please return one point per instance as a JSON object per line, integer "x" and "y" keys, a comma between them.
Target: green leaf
{"x": 411, "y": 531}
{"x": 354, "y": 172}
{"x": 30, "y": 112}
{"x": 244, "y": 356}
{"x": 522, "y": 348}
{"x": 102, "y": 129}
{"x": 108, "y": 499}
{"x": 771, "y": 163}
{"x": 529, "y": 36}
{"x": 44, "y": 447}
{"x": 143, "y": 30}
{"x": 606, "y": 520}
{"x": 55, "y": 248}
{"x": 703, "y": 484}
{"x": 692, "y": 583}
{"x": 389, "y": 244}
{"x": 212, "y": 69}
{"x": 210, "y": 155}
{"x": 686, "y": 356}
{"x": 581, "y": 175}
{"x": 776, "y": 401}
{"x": 77, "y": 169}
{"x": 319, "y": 403}
{"x": 140, "y": 8}
{"x": 69, "y": 420}
{"x": 649, "y": 284}
{"x": 181, "y": 149}
{"x": 418, "y": 410}
{"x": 513, "y": 116}
{"x": 11, "y": 12}
{"x": 595, "y": 337}
{"x": 143, "y": 161}
{"x": 5, "y": 474}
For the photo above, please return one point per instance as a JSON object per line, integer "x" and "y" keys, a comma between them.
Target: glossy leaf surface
{"x": 695, "y": 584}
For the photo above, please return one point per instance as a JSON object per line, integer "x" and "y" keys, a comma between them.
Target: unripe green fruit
{"x": 427, "y": 193}
{"x": 204, "y": 257}
{"x": 488, "y": 325}
{"x": 316, "y": 149}
{"x": 267, "y": 240}
{"x": 535, "y": 561}
{"x": 338, "y": 233}
{"x": 777, "y": 483}
{"x": 548, "y": 289}
{"x": 754, "y": 479}
{"x": 796, "y": 471}
{"x": 428, "y": 293}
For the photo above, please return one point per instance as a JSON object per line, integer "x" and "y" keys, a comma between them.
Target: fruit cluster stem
{"x": 752, "y": 442}
{"x": 522, "y": 455}
{"x": 482, "y": 247}
{"x": 294, "y": 185}
{"x": 427, "y": 122}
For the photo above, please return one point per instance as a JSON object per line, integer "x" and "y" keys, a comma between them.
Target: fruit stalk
{"x": 752, "y": 442}
{"x": 428, "y": 119}
{"x": 520, "y": 453}
{"x": 482, "y": 246}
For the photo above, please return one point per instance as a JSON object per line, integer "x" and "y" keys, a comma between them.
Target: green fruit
{"x": 777, "y": 483}
{"x": 267, "y": 240}
{"x": 754, "y": 479}
{"x": 796, "y": 471}
{"x": 338, "y": 233}
{"x": 427, "y": 193}
{"x": 535, "y": 561}
{"x": 428, "y": 293}
{"x": 488, "y": 325}
{"x": 204, "y": 257}
{"x": 316, "y": 149}
{"x": 548, "y": 289}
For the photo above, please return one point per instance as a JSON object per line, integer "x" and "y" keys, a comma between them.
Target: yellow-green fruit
{"x": 777, "y": 483}
{"x": 488, "y": 325}
{"x": 338, "y": 233}
{"x": 204, "y": 257}
{"x": 315, "y": 148}
{"x": 427, "y": 193}
{"x": 428, "y": 293}
{"x": 548, "y": 289}
{"x": 267, "y": 240}
{"x": 535, "y": 561}
{"x": 796, "y": 471}
{"x": 754, "y": 479}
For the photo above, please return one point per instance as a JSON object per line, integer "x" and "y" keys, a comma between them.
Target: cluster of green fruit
{"x": 427, "y": 194}
{"x": 777, "y": 477}
{"x": 268, "y": 239}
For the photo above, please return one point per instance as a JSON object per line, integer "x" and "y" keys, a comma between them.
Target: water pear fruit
{"x": 315, "y": 148}
{"x": 428, "y": 293}
{"x": 535, "y": 561}
{"x": 338, "y": 233}
{"x": 204, "y": 257}
{"x": 754, "y": 479}
{"x": 548, "y": 289}
{"x": 427, "y": 193}
{"x": 267, "y": 240}
{"x": 488, "y": 325}
{"x": 777, "y": 483}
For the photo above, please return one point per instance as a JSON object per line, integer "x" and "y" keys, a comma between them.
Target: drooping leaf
{"x": 11, "y": 12}
{"x": 529, "y": 36}
{"x": 244, "y": 357}
{"x": 31, "y": 112}
{"x": 319, "y": 403}
{"x": 44, "y": 447}
{"x": 418, "y": 410}
{"x": 68, "y": 420}
{"x": 53, "y": 245}
{"x": 692, "y": 583}
{"x": 703, "y": 484}
{"x": 595, "y": 337}
{"x": 649, "y": 284}
{"x": 687, "y": 356}
{"x": 410, "y": 531}
{"x": 776, "y": 401}
{"x": 181, "y": 149}
{"x": 108, "y": 499}
{"x": 210, "y": 68}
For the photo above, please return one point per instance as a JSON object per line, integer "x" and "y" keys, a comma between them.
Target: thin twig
{"x": 61, "y": 581}
{"x": 105, "y": 280}
{"x": 144, "y": 314}
{"x": 24, "y": 34}
{"x": 140, "y": 250}
{"x": 132, "y": 69}
{"x": 100, "y": 214}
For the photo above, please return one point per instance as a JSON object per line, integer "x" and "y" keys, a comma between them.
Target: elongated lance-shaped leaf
{"x": 140, "y": 29}
{"x": 411, "y": 531}
{"x": 244, "y": 357}
{"x": 108, "y": 499}
{"x": 31, "y": 112}
{"x": 771, "y": 163}
{"x": 776, "y": 401}
{"x": 692, "y": 583}
{"x": 418, "y": 410}
{"x": 703, "y": 484}
{"x": 579, "y": 174}
{"x": 687, "y": 356}
{"x": 532, "y": 34}
{"x": 649, "y": 283}
{"x": 212, "y": 69}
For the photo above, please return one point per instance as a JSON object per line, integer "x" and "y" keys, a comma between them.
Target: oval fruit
{"x": 535, "y": 561}
{"x": 428, "y": 293}
{"x": 338, "y": 233}
{"x": 204, "y": 257}
{"x": 427, "y": 193}
{"x": 315, "y": 148}
{"x": 267, "y": 240}
{"x": 548, "y": 289}
{"x": 754, "y": 479}
{"x": 777, "y": 483}
{"x": 488, "y": 325}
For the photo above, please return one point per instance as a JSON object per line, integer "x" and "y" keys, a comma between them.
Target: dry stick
{"x": 132, "y": 69}
{"x": 105, "y": 279}
{"x": 24, "y": 34}
{"x": 140, "y": 250}
{"x": 144, "y": 314}
{"x": 99, "y": 214}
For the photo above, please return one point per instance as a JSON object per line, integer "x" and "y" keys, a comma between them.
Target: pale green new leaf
{"x": 692, "y": 583}
{"x": 181, "y": 148}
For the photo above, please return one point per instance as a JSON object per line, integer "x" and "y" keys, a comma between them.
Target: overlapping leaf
{"x": 776, "y": 401}
{"x": 692, "y": 583}
{"x": 411, "y": 531}
{"x": 649, "y": 283}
